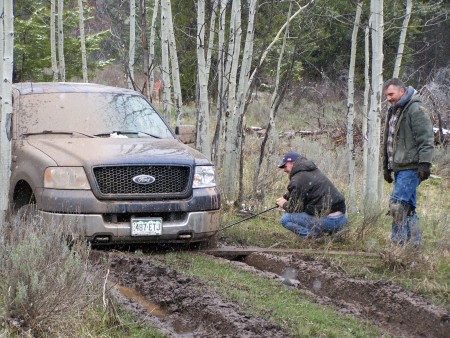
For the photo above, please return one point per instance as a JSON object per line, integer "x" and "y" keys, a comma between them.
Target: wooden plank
{"x": 233, "y": 251}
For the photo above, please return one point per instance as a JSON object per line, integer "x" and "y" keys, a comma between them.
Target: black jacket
{"x": 310, "y": 191}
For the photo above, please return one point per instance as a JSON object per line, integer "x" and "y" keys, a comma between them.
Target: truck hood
{"x": 117, "y": 151}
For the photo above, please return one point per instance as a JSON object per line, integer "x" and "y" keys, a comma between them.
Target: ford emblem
{"x": 143, "y": 179}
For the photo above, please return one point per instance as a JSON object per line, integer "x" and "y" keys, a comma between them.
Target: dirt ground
{"x": 181, "y": 306}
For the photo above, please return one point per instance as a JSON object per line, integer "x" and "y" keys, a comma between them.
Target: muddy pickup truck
{"x": 102, "y": 160}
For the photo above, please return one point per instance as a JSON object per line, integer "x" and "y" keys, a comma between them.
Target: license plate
{"x": 146, "y": 226}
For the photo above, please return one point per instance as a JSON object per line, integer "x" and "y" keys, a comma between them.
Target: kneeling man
{"x": 313, "y": 204}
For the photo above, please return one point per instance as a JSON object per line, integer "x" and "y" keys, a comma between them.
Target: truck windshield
{"x": 90, "y": 113}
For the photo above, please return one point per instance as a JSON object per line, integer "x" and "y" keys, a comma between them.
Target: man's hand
{"x": 424, "y": 171}
{"x": 281, "y": 201}
{"x": 388, "y": 175}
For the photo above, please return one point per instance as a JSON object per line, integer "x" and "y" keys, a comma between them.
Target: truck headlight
{"x": 204, "y": 177}
{"x": 66, "y": 178}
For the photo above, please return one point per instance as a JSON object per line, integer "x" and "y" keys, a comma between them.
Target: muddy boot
{"x": 413, "y": 229}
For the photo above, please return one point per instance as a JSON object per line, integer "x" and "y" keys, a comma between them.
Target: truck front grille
{"x": 170, "y": 181}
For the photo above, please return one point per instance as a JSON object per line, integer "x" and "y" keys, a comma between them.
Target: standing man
{"x": 408, "y": 152}
{"x": 313, "y": 204}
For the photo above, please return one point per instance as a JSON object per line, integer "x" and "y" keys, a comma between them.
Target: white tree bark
{"x": 351, "y": 112}
{"x": 132, "y": 46}
{"x": 83, "y": 42}
{"x": 401, "y": 43}
{"x": 365, "y": 110}
{"x": 374, "y": 117}
{"x": 234, "y": 127}
{"x": 202, "y": 141}
{"x": 174, "y": 66}
{"x": 165, "y": 61}
{"x": 2, "y": 50}
{"x": 151, "y": 53}
{"x": 62, "y": 62}
{"x": 55, "y": 70}
{"x": 211, "y": 36}
{"x": 7, "y": 37}
{"x": 219, "y": 133}
{"x": 234, "y": 48}
{"x": 145, "y": 53}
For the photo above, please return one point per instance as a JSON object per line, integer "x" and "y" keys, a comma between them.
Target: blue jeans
{"x": 405, "y": 188}
{"x": 306, "y": 225}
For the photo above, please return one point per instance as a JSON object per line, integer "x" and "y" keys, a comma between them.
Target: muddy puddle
{"x": 152, "y": 309}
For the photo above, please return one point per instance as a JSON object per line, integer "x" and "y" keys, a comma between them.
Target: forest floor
{"x": 182, "y": 305}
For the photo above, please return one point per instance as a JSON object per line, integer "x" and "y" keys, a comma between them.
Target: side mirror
{"x": 8, "y": 126}
{"x": 186, "y": 133}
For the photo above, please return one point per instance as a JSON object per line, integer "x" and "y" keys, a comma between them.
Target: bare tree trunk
{"x": 145, "y": 54}
{"x": 83, "y": 42}
{"x": 151, "y": 55}
{"x": 55, "y": 70}
{"x": 62, "y": 62}
{"x": 202, "y": 141}
{"x": 235, "y": 106}
{"x": 211, "y": 36}
{"x": 374, "y": 118}
{"x": 351, "y": 112}
{"x": 132, "y": 46}
{"x": 365, "y": 111}
{"x": 401, "y": 43}
{"x": 165, "y": 60}
{"x": 7, "y": 50}
{"x": 178, "y": 100}
{"x": 219, "y": 132}
{"x": 2, "y": 55}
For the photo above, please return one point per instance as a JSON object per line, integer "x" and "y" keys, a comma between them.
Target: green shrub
{"x": 45, "y": 283}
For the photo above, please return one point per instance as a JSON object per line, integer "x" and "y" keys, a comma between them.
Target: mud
{"x": 180, "y": 306}
{"x": 388, "y": 306}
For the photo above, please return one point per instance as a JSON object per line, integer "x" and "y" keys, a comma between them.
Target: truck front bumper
{"x": 194, "y": 227}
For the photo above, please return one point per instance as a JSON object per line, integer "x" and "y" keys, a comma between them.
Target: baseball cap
{"x": 290, "y": 156}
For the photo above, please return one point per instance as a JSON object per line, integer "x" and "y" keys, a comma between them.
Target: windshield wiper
{"x": 118, "y": 132}
{"x": 44, "y": 132}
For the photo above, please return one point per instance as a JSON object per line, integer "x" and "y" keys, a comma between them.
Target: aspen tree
{"x": 62, "y": 62}
{"x": 174, "y": 67}
{"x": 219, "y": 132}
{"x": 7, "y": 50}
{"x": 132, "y": 45}
{"x": 351, "y": 111}
{"x": 151, "y": 53}
{"x": 55, "y": 69}
{"x": 365, "y": 109}
{"x": 202, "y": 142}
{"x": 401, "y": 43}
{"x": 145, "y": 53}
{"x": 83, "y": 42}
{"x": 374, "y": 118}
{"x": 165, "y": 60}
